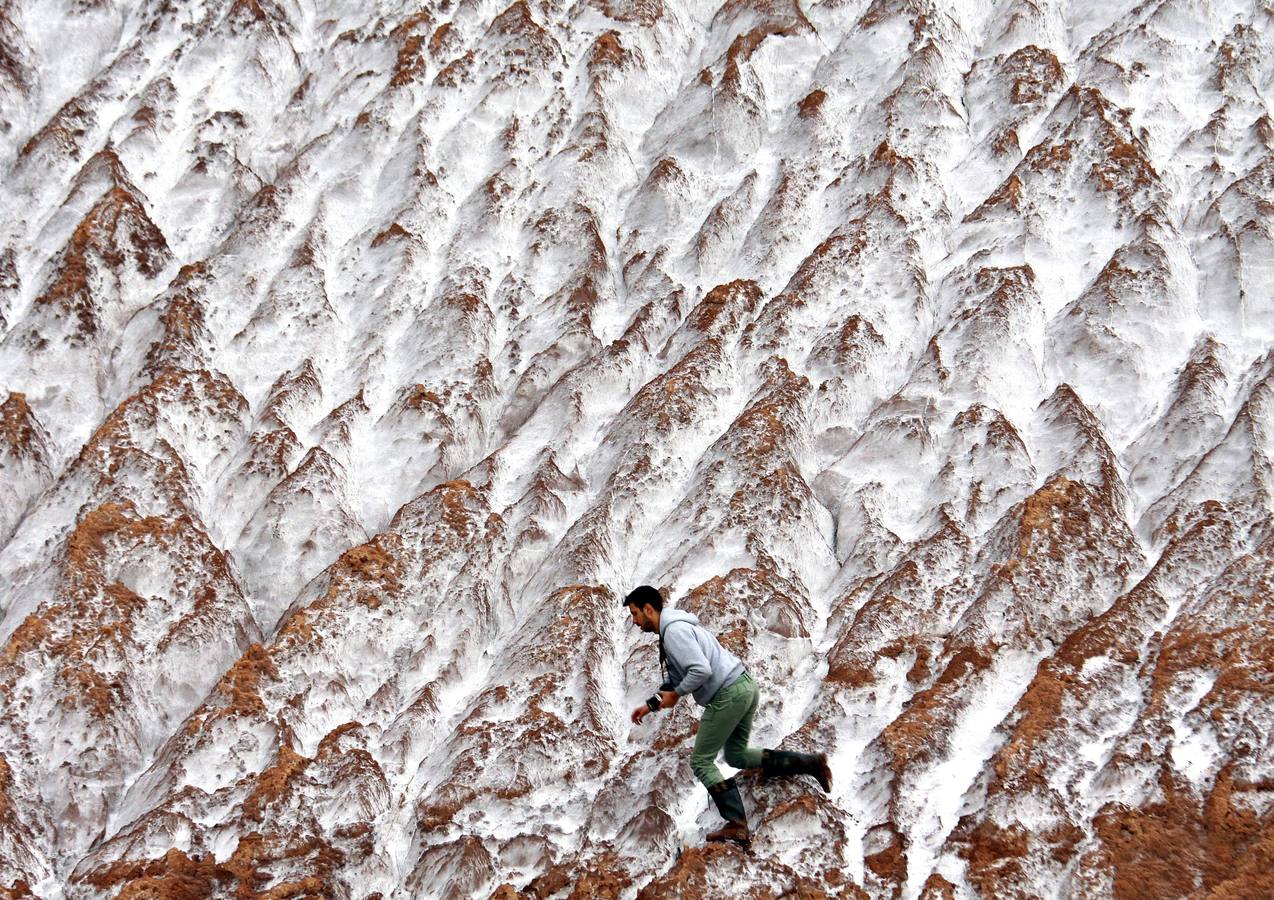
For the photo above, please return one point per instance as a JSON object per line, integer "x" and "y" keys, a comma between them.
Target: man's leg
{"x": 720, "y": 719}
{"x": 737, "y": 751}
{"x": 772, "y": 762}
{"x": 789, "y": 762}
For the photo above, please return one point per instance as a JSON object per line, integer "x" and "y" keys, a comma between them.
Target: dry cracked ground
{"x": 359, "y": 356}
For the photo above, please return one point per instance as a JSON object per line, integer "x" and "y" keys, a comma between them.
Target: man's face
{"x": 643, "y": 618}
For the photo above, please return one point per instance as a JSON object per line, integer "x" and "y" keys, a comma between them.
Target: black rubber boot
{"x": 726, "y": 796}
{"x": 786, "y": 762}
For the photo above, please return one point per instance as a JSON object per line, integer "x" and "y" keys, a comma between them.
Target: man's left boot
{"x": 787, "y": 762}
{"x": 725, "y": 795}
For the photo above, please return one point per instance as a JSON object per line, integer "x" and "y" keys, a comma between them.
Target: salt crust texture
{"x": 359, "y": 355}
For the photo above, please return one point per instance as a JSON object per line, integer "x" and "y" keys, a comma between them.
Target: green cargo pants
{"x": 727, "y": 722}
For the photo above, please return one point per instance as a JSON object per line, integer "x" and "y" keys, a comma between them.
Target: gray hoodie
{"x": 696, "y": 662}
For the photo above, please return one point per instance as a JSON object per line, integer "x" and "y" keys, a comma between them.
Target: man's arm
{"x": 680, "y": 644}
{"x": 697, "y": 672}
{"x": 661, "y": 699}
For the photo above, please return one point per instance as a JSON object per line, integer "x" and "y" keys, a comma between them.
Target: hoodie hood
{"x": 668, "y": 616}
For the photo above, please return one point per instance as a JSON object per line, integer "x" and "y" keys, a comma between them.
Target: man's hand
{"x": 667, "y": 700}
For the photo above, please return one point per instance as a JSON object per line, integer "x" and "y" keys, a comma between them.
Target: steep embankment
{"x": 359, "y": 356}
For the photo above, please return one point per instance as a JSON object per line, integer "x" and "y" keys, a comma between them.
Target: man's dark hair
{"x": 640, "y": 596}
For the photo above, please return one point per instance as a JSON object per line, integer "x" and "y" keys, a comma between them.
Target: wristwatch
{"x": 654, "y": 702}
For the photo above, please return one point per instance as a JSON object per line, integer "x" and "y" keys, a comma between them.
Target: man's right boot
{"x": 725, "y": 795}
{"x": 786, "y": 762}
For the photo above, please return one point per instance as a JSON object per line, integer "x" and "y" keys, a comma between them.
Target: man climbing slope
{"x": 695, "y": 663}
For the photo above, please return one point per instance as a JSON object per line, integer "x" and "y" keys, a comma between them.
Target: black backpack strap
{"x": 663, "y": 659}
